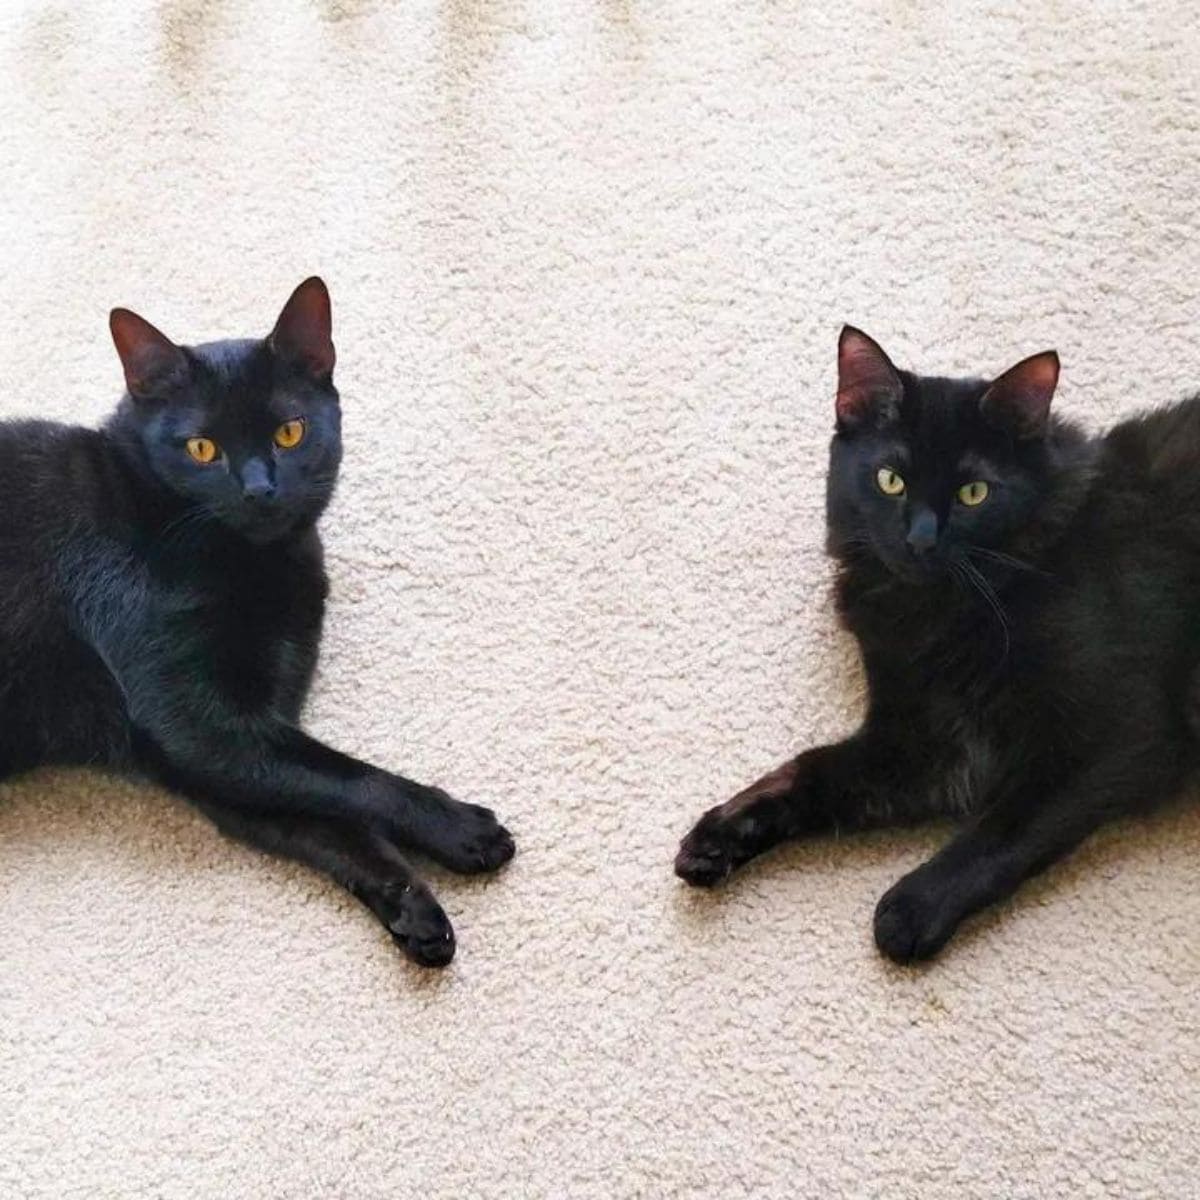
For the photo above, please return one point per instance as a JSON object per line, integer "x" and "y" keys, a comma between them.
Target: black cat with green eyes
{"x": 161, "y": 599}
{"x": 1027, "y": 604}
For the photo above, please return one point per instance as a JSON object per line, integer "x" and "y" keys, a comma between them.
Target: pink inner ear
{"x": 1019, "y": 400}
{"x": 866, "y": 377}
{"x": 303, "y": 333}
{"x": 148, "y": 357}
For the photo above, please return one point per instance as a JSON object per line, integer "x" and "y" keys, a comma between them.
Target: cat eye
{"x": 203, "y": 450}
{"x": 890, "y": 483}
{"x": 290, "y": 434}
{"x": 972, "y": 494}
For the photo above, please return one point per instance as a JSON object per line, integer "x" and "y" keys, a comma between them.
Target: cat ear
{"x": 1019, "y": 401}
{"x": 302, "y": 335}
{"x": 152, "y": 362}
{"x": 869, "y": 387}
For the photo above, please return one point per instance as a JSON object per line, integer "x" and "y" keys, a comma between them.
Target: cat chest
{"x": 253, "y": 636}
{"x": 276, "y": 647}
{"x": 983, "y": 740}
{"x": 967, "y": 775}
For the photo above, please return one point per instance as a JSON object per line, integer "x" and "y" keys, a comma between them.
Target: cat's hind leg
{"x": 363, "y": 862}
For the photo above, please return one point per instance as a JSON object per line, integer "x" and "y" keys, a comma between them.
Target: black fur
{"x": 163, "y": 617}
{"x": 1033, "y": 670}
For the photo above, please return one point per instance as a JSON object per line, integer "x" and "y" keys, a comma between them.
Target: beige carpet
{"x": 589, "y": 261}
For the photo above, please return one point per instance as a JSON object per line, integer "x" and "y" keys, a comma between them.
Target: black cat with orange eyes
{"x": 178, "y": 555}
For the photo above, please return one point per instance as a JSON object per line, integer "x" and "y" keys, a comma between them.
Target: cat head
{"x": 247, "y": 431}
{"x": 927, "y": 474}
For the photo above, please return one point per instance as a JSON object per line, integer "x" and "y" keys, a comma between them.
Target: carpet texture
{"x": 589, "y": 261}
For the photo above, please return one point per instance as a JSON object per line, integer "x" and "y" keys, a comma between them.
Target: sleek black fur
{"x": 162, "y": 615}
{"x": 1033, "y": 660}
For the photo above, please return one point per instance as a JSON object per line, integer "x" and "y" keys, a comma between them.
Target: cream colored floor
{"x": 589, "y": 261}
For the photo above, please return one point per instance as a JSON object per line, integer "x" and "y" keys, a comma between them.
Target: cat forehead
{"x": 234, "y": 363}
{"x": 939, "y": 427}
{"x": 927, "y": 462}
{"x": 235, "y": 383}
{"x": 936, "y": 402}
{"x": 942, "y": 417}
{"x": 234, "y": 411}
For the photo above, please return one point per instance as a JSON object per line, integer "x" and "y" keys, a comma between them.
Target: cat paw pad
{"x": 703, "y": 860}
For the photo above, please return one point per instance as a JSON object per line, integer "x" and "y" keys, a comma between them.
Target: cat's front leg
{"x": 1017, "y": 837}
{"x": 466, "y": 838}
{"x": 730, "y": 834}
{"x": 364, "y": 863}
{"x": 276, "y": 769}
{"x": 864, "y": 781}
{"x": 192, "y": 729}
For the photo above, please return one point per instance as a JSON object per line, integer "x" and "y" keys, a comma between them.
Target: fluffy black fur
{"x": 1033, "y": 661}
{"x": 162, "y": 616}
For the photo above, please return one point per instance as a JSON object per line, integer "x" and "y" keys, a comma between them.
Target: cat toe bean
{"x": 434, "y": 949}
{"x": 703, "y": 859}
{"x": 485, "y": 850}
{"x": 702, "y": 868}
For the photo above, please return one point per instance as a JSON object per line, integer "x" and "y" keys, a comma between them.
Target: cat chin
{"x": 917, "y": 574}
{"x": 263, "y": 533}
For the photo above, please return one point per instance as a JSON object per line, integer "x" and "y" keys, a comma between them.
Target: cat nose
{"x": 257, "y": 484}
{"x": 922, "y": 531}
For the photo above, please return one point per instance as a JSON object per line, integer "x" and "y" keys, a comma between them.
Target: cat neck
{"x": 155, "y": 503}
{"x": 1073, "y": 460}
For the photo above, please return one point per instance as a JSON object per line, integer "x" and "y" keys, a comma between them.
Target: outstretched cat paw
{"x": 466, "y": 838}
{"x": 757, "y": 818}
{"x": 705, "y": 856}
{"x": 419, "y": 926}
{"x": 912, "y": 921}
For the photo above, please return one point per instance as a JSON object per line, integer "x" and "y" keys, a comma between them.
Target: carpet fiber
{"x": 589, "y": 261}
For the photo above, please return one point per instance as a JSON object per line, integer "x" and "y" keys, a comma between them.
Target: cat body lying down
{"x": 1027, "y": 603}
{"x": 161, "y": 600}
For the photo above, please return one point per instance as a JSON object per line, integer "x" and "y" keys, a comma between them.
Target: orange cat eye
{"x": 290, "y": 434}
{"x": 203, "y": 450}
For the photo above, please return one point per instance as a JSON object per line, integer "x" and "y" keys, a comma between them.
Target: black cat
{"x": 161, "y": 598}
{"x": 1027, "y": 602}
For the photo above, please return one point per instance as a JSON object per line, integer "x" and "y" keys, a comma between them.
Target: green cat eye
{"x": 972, "y": 494}
{"x": 890, "y": 483}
